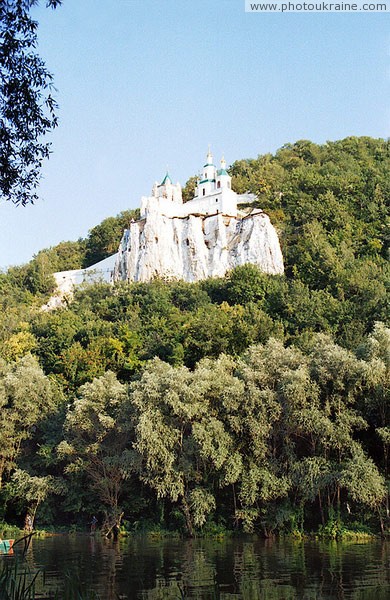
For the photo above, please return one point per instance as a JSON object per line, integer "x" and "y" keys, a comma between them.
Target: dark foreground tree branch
{"x": 27, "y": 107}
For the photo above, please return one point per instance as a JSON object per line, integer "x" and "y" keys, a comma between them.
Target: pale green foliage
{"x": 156, "y": 442}
{"x": 260, "y": 484}
{"x": 92, "y": 415}
{"x": 271, "y": 361}
{"x": 182, "y": 431}
{"x": 384, "y": 434}
{"x": 340, "y": 377}
{"x": 377, "y": 345}
{"x": 311, "y": 475}
{"x": 337, "y": 369}
{"x": 376, "y": 353}
{"x": 96, "y": 438}
{"x": 32, "y": 490}
{"x": 163, "y": 398}
{"x": 248, "y": 517}
{"x": 215, "y": 432}
{"x": 212, "y": 440}
{"x": 305, "y": 441}
{"x": 201, "y": 503}
{"x": 273, "y": 432}
{"x": 26, "y": 397}
{"x": 232, "y": 469}
{"x": 362, "y": 479}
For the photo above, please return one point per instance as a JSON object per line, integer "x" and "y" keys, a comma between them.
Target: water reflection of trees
{"x": 230, "y": 569}
{"x": 271, "y": 570}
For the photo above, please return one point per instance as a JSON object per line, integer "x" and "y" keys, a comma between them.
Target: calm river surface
{"x": 233, "y": 568}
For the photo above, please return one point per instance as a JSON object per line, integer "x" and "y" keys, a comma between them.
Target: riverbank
{"x": 332, "y": 531}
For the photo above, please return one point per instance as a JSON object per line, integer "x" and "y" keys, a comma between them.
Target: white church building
{"x": 213, "y": 195}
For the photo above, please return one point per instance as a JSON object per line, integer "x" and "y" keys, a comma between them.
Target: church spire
{"x": 209, "y": 158}
{"x": 166, "y": 179}
{"x": 223, "y": 178}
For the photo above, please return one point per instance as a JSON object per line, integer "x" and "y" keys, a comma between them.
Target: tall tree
{"x": 96, "y": 440}
{"x": 26, "y": 397}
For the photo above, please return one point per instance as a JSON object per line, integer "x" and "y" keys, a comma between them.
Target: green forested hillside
{"x": 252, "y": 401}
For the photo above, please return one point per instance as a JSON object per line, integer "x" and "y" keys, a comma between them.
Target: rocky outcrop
{"x": 196, "y": 246}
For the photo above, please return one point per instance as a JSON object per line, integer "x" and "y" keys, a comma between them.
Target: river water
{"x": 246, "y": 568}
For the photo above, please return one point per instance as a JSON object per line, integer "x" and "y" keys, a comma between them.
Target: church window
{"x": 218, "y": 184}
{"x": 204, "y": 192}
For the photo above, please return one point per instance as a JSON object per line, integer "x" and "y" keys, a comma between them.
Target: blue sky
{"x": 143, "y": 84}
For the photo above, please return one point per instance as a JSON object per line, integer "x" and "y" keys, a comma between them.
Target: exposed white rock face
{"x": 196, "y": 247}
{"x": 201, "y": 238}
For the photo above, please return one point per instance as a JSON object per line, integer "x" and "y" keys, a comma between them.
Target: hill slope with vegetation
{"x": 251, "y": 401}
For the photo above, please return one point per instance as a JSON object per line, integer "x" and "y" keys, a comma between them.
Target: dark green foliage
{"x": 103, "y": 240}
{"x": 188, "y": 191}
{"x": 246, "y": 284}
{"x": 331, "y": 205}
{"x": 35, "y": 277}
{"x": 65, "y": 256}
{"x": 27, "y": 107}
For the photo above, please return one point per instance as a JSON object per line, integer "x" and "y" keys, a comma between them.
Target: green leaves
{"x": 361, "y": 478}
{"x": 96, "y": 436}
{"x": 103, "y": 240}
{"x": 201, "y": 504}
{"x": 31, "y": 490}
{"x": 275, "y": 434}
{"x": 26, "y": 104}
{"x": 26, "y": 397}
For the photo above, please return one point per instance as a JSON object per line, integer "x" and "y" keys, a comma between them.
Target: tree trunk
{"x": 381, "y": 522}
{"x": 187, "y": 514}
{"x": 235, "y": 505}
{"x": 33, "y": 512}
{"x": 112, "y": 524}
{"x": 338, "y": 503}
{"x": 1, "y": 472}
{"x": 321, "y": 508}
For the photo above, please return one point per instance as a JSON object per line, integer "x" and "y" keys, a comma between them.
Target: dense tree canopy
{"x": 251, "y": 401}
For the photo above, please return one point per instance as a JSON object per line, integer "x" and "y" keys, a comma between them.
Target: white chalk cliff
{"x": 196, "y": 247}
{"x": 202, "y": 238}
{"x": 205, "y": 237}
